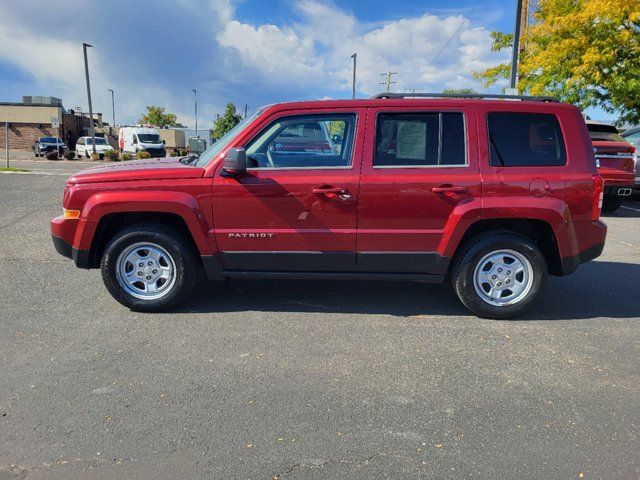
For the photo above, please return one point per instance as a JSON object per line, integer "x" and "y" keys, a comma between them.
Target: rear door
{"x": 417, "y": 168}
{"x": 295, "y": 209}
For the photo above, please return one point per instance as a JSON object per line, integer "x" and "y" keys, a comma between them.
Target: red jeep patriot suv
{"x": 490, "y": 194}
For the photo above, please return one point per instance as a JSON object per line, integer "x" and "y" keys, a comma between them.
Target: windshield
{"x": 219, "y": 145}
{"x": 50, "y": 140}
{"x": 99, "y": 141}
{"x": 148, "y": 138}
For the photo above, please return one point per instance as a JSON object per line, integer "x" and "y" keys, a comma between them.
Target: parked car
{"x": 135, "y": 139}
{"x": 633, "y": 137}
{"x": 616, "y": 164}
{"x": 492, "y": 195}
{"x": 45, "y": 145}
{"x": 84, "y": 147}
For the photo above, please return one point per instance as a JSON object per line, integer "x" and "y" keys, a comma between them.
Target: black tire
{"x": 611, "y": 203}
{"x": 181, "y": 251}
{"x": 477, "y": 248}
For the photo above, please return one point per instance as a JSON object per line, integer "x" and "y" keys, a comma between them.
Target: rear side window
{"x": 525, "y": 140}
{"x": 420, "y": 140}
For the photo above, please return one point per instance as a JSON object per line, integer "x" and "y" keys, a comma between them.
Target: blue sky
{"x": 245, "y": 51}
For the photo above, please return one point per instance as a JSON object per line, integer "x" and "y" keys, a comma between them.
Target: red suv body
{"x": 616, "y": 163}
{"x": 492, "y": 194}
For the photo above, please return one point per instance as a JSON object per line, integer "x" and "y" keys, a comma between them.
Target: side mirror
{"x": 164, "y": 142}
{"x": 235, "y": 162}
{"x": 336, "y": 138}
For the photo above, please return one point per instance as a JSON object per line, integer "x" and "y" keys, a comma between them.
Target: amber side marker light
{"x": 71, "y": 214}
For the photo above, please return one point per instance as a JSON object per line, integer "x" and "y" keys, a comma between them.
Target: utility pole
{"x": 113, "y": 109}
{"x": 86, "y": 72}
{"x": 6, "y": 141}
{"x": 353, "y": 90}
{"x": 513, "y": 81}
{"x": 388, "y": 81}
{"x": 195, "y": 103}
{"x": 245, "y": 110}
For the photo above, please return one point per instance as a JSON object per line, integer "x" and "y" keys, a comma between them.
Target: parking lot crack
{"x": 317, "y": 464}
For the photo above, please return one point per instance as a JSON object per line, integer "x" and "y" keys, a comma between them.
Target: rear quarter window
{"x": 525, "y": 140}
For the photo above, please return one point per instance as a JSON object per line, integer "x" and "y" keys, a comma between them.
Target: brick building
{"x": 32, "y": 118}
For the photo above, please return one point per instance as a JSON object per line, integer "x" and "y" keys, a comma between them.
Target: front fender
{"x": 106, "y": 203}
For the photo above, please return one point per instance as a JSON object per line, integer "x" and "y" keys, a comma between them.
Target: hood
{"x": 149, "y": 169}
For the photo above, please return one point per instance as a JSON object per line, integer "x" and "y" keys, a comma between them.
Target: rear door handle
{"x": 450, "y": 190}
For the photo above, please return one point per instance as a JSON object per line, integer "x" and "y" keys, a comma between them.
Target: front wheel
{"x": 149, "y": 267}
{"x": 499, "y": 275}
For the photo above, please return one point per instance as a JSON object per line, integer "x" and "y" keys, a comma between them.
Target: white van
{"x": 135, "y": 139}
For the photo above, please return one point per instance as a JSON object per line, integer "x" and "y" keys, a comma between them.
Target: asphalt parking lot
{"x": 310, "y": 380}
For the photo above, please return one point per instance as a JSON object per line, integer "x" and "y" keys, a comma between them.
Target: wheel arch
{"x": 536, "y": 230}
{"x": 110, "y": 224}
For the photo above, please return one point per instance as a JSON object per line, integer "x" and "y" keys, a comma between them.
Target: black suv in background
{"x": 45, "y": 145}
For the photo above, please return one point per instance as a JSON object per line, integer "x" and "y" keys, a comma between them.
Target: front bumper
{"x": 62, "y": 233}
{"x": 81, "y": 258}
{"x": 156, "y": 152}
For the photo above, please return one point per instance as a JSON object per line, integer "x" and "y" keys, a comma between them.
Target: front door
{"x": 416, "y": 170}
{"x": 295, "y": 209}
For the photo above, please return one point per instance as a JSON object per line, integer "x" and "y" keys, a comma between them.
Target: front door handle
{"x": 450, "y": 189}
{"x": 342, "y": 193}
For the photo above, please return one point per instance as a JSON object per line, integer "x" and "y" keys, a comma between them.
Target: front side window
{"x": 310, "y": 141}
{"x": 420, "y": 140}
{"x": 525, "y": 140}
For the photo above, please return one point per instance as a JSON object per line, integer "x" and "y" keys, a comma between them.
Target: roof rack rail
{"x": 465, "y": 95}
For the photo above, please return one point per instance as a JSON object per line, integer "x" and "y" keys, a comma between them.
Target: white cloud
{"x": 317, "y": 49}
{"x": 202, "y": 44}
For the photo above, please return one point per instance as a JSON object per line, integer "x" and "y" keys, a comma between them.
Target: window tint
{"x": 420, "y": 139}
{"x": 525, "y": 139}
{"x": 304, "y": 142}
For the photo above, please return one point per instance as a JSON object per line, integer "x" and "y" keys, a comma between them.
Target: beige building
{"x": 36, "y": 117}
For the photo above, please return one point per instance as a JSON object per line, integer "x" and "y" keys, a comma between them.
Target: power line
{"x": 466, "y": 18}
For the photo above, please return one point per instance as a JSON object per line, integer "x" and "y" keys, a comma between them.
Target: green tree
{"x": 586, "y": 52}
{"x": 155, "y": 116}
{"x": 226, "y": 121}
{"x": 459, "y": 91}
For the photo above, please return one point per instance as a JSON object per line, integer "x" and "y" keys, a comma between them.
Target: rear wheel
{"x": 611, "y": 203}
{"x": 499, "y": 274}
{"x": 150, "y": 267}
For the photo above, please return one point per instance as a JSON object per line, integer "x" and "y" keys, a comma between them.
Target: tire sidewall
{"x": 464, "y": 278}
{"x": 182, "y": 260}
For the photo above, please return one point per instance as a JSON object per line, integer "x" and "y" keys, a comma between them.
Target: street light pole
{"x": 86, "y": 72}
{"x": 513, "y": 81}
{"x": 113, "y": 109}
{"x": 195, "y": 102}
{"x": 353, "y": 93}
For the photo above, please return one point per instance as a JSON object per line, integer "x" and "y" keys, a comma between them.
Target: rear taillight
{"x": 598, "y": 195}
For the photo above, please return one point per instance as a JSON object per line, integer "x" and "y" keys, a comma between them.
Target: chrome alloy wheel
{"x": 146, "y": 271}
{"x": 503, "y": 277}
